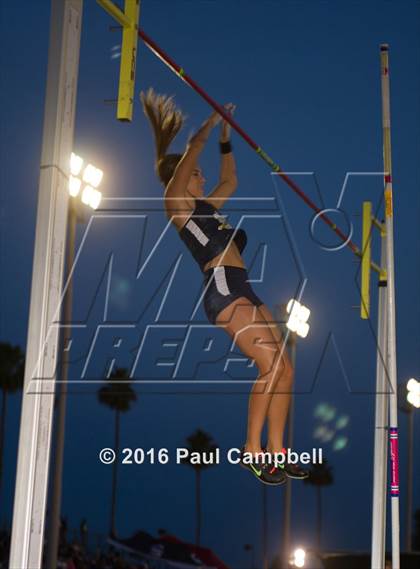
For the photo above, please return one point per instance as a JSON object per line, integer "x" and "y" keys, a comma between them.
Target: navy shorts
{"x": 222, "y": 286}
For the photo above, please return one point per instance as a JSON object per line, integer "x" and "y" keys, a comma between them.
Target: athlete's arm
{"x": 227, "y": 181}
{"x": 178, "y": 203}
{"x": 183, "y": 171}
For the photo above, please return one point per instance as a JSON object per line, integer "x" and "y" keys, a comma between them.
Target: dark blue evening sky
{"x": 305, "y": 77}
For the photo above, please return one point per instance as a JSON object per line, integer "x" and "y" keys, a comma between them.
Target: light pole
{"x": 27, "y": 539}
{"x": 85, "y": 188}
{"x": 294, "y": 317}
{"x": 413, "y": 402}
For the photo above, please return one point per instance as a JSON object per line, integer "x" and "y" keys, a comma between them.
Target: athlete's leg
{"x": 280, "y": 401}
{"x": 244, "y": 322}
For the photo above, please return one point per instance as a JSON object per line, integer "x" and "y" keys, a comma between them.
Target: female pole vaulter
{"x": 229, "y": 300}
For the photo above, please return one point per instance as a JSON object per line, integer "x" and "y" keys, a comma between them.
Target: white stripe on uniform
{"x": 220, "y": 280}
{"x": 197, "y": 232}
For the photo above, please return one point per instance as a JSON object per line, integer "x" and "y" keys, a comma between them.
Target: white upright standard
{"x": 391, "y": 320}
{"x": 380, "y": 460}
{"x": 46, "y": 292}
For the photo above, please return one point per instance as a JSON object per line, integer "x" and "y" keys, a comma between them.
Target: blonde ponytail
{"x": 166, "y": 122}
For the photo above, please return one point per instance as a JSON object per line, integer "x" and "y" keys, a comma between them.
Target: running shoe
{"x": 266, "y": 472}
{"x": 274, "y": 474}
{"x": 295, "y": 471}
{"x": 292, "y": 470}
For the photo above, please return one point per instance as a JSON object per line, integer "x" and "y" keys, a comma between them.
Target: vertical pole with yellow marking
{"x": 129, "y": 21}
{"x": 390, "y": 301}
{"x": 128, "y": 62}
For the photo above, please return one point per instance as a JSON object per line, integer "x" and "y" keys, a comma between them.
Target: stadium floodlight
{"x": 74, "y": 186}
{"x": 298, "y": 557}
{"x": 298, "y": 316}
{"x": 95, "y": 199}
{"x": 413, "y": 392}
{"x": 86, "y": 195}
{"x": 91, "y": 197}
{"x": 76, "y": 163}
{"x": 92, "y": 176}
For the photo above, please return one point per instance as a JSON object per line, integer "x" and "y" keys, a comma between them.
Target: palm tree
{"x": 202, "y": 443}
{"x": 12, "y": 367}
{"x": 320, "y": 475}
{"x": 118, "y": 395}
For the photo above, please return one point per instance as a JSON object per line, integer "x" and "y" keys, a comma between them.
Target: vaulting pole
{"x": 222, "y": 111}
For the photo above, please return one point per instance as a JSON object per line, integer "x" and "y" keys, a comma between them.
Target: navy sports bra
{"x": 207, "y": 233}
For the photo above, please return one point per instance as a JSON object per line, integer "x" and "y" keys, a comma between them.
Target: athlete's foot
{"x": 274, "y": 475}
{"x": 265, "y": 471}
{"x": 295, "y": 471}
{"x": 251, "y": 459}
{"x": 291, "y": 470}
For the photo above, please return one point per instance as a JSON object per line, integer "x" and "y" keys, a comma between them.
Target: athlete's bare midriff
{"x": 229, "y": 257}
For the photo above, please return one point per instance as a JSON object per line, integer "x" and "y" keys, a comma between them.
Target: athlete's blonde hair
{"x": 166, "y": 121}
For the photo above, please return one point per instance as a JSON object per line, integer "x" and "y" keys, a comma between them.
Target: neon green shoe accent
{"x": 257, "y": 472}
